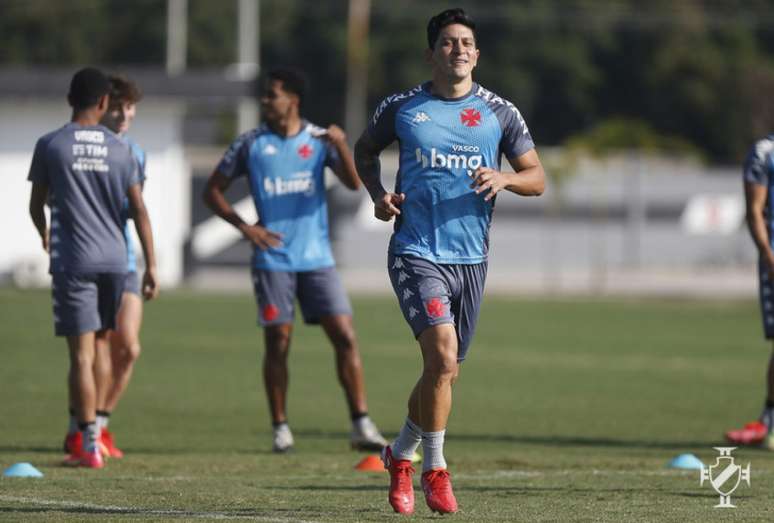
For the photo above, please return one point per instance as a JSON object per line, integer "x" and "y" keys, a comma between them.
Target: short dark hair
{"x": 122, "y": 89}
{"x": 293, "y": 81}
{"x": 86, "y": 88}
{"x": 448, "y": 17}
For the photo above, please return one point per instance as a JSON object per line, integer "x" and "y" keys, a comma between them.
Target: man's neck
{"x": 445, "y": 87}
{"x": 86, "y": 117}
{"x": 286, "y": 127}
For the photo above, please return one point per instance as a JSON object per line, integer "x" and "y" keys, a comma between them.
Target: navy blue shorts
{"x": 85, "y": 302}
{"x": 132, "y": 283}
{"x": 766, "y": 295}
{"x": 319, "y": 292}
{"x": 432, "y": 294}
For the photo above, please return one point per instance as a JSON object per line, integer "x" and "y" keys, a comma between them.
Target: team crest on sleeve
{"x": 470, "y": 117}
{"x": 305, "y": 151}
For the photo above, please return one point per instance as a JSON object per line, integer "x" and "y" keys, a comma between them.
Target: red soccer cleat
{"x": 401, "y": 496}
{"x": 752, "y": 434}
{"x": 91, "y": 460}
{"x": 72, "y": 443}
{"x": 438, "y": 491}
{"x": 107, "y": 446}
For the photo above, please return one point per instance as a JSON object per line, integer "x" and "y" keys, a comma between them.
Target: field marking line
{"x": 146, "y": 512}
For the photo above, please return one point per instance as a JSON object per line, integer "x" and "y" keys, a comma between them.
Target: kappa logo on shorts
{"x": 435, "y": 308}
{"x": 270, "y": 312}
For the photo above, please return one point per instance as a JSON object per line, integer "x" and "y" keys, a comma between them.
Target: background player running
{"x": 451, "y": 134}
{"x": 284, "y": 161}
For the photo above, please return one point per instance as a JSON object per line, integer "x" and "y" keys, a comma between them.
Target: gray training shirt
{"x": 88, "y": 170}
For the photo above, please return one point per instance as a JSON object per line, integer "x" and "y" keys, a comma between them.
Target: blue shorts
{"x": 432, "y": 294}
{"x": 766, "y": 295}
{"x": 319, "y": 292}
{"x": 132, "y": 283}
{"x": 85, "y": 302}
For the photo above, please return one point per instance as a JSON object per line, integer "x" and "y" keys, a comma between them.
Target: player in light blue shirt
{"x": 451, "y": 135}
{"x": 284, "y": 161}
{"x": 758, "y": 175}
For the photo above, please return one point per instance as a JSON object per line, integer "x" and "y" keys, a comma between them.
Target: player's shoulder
{"x": 498, "y": 104}
{"x": 247, "y": 138}
{"x": 763, "y": 147}
{"x": 395, "y": 100}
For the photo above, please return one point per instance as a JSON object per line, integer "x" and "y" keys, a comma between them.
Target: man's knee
{"x": 277, "y": 340}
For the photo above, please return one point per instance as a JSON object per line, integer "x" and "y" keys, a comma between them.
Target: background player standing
{"x": 284, "y": 160}
{"x": 758, "y": 181}
{"x": 451, "y": 133}
{"x": 85, "y": 173}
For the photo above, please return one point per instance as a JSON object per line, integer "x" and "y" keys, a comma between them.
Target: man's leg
{"x": 349, "y": 369}
{"x": 275, "y": 380}
{"x": 83, "y": 395}
{"x": 124, "y": 348}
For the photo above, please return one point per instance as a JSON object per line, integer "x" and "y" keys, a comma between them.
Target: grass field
{"x": 565, "y": 411}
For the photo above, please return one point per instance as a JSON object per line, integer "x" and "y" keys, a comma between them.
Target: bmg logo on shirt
{"x": 455, "y": 160}
{"x": 300, "y": 183}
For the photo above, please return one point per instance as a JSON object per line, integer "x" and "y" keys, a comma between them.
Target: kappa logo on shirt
{"x": 269, "y": 150}
{"x": 421, "y": 117}
{"x": 470, "y": 117}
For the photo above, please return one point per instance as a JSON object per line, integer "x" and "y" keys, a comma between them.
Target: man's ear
{"x": 104, "y": 103}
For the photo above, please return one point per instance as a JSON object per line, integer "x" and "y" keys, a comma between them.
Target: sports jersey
{"x": 88, "y": 170}
{"x": 131, "y": 257}
{"x": 758, "y": 168}
{"x": 442, "y": 142}
{"x": 287, "y": 185}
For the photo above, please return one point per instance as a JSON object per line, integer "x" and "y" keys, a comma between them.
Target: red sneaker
{"x": 752, "y": 434}
{"x": 438, "y": 491}
{"x": 72, "y": 443}
{"x": 91, "y": 460}
{"x": 401, "y": 496}
{"x": 108, "y": 447}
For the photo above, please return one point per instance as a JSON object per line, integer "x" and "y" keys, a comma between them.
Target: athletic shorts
{"x": 85, "y": 302}
{"x": 766, "y": 295}
{"x": 432, "y": 294}
{"x": 132, "y": 283}
{"x": 319, "y": 292}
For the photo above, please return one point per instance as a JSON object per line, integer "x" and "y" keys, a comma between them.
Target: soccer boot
{"x": 108, "y": 446}
{"x": 365, "y": 436}
{"x": 80, "y": 458}
{"x": 401, "y": 495}
{"x": 752, "y": 433}
{"x": 72, "y": 443}
{"x": 283, "y": 439}
{"x": 436, "y": 484}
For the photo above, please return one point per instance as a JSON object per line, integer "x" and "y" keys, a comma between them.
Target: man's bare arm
{"x": 38, "y": 197}
{"x": 527, "y": 180}
{"x": 150, "y": 287}
{"x": 369, "y": 168}
{"x": 215, "y": 199}
{"x": 345, "y": 167}
{"x": 755, "y": 197}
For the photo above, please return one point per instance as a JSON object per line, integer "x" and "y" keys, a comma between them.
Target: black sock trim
{"x": 275, "y": 424}
{"x": 83, "y": 425}
{"x": 358, "y": 415}
{"x": 770, "y": 404}
{"x": 103, "y": 413}
{"x": 71, "y": 411}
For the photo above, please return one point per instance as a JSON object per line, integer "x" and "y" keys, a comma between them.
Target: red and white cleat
{"x": 401, "y": 496}
{"x": 72, "y": 443}
{"x": 90, "y": 460}
{"x": 436, "y": 485}
{"x": 752, "y": 434}
{"x": 108, "y": 446}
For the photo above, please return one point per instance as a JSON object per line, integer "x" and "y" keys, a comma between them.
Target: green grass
{"x": 565, "y": 411}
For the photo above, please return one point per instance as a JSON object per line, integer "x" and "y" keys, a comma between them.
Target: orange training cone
{"x": 371, "y": 463}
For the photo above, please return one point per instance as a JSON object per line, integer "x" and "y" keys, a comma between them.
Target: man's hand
{"x": 150, "y": 286}
{"x": 261, "y": 237}
{"x": 46, "y": 239}
{"x": 487, "y": 179}
{"x": 335, "y": 135}
{"x": 388, "y": 205}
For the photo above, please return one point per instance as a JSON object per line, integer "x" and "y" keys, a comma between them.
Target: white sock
{"x": 90, "y": 434}
{"x": 408, "y": 440}
{"x": 432, "y": 450}
{"x": 102, "y": 421}
{"x": 360, "y": 424}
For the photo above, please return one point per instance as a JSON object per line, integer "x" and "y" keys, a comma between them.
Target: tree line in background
{"x": 697, "y": 74}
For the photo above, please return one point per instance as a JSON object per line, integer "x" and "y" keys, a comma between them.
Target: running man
{"x": 85, "y": 173}
{"x": 758, "y": 176}
{"x": 284, "y": 161}
{"x": 451, "y": 134}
